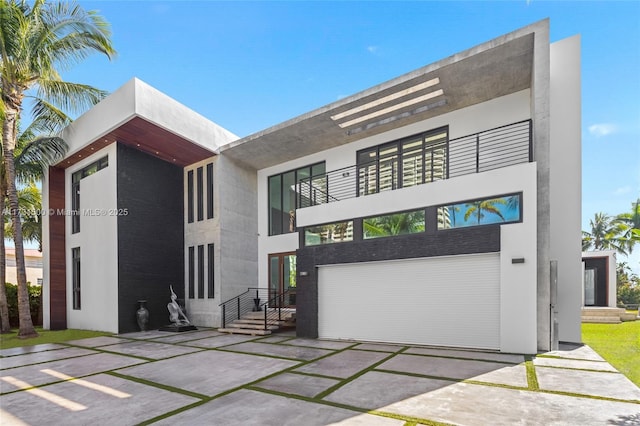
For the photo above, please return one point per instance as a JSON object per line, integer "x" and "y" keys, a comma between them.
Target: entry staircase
{"x": 606, "y": 315}
{"x": 256, "y": 312}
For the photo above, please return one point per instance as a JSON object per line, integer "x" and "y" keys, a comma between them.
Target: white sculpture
{"x": 176, "y": 316}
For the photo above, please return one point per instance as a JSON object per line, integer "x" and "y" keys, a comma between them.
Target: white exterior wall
{"x": 566, "y": 183}
{"x": 98, "y": 242}
{"x": 497, "y": 112}
{"x": 202, "y": 312}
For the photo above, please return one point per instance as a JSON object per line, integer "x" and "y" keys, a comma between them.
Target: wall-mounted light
{"x": 304, "y": 273}
{"x": 345, "y": 174}
{"x": 517, "y": 260}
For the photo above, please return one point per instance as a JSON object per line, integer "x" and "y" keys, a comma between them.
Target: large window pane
{"x": 288, "y": 201}
{"x": 388, "y": 167}
{"x": 412, "y": 164}
{"x": 283, "y": 196}
{"x": 393, "y": 224}
{"x": 330, "y": 233}
{"x": 506, "y": 209}
{"x": 275, "y": 205}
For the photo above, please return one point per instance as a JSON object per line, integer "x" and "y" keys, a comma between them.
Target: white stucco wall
{"x": 137, "y": 99}
{"x": 98, "y": 244}
{"x": 497, "y": 112}
{"x": 566, "y": 183}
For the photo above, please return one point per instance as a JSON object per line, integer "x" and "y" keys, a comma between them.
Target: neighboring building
{"x": 425, "y": 210}
{"x": 599, "y": 279}
{"x": 33, "y": 266}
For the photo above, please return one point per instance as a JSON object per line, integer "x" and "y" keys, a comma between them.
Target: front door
{"x": 282, "y": 279}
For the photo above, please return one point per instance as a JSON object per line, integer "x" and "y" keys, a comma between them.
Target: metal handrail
{"x": 266, "y": 306}
{"x": 239, "y": 305}
{"x": 479, "y": 152}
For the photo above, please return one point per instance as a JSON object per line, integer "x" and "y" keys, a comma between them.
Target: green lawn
{"x": 11, "y": 340}
{"x": 619, "y": 344}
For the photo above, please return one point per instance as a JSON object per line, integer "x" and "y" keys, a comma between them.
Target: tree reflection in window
{"x": 330, "y": 233}
{"x": 393, "y": 224}
{"x": 487, "y": 211}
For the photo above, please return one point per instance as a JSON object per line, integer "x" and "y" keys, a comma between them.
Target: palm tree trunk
{"x": 9, "y": 135}
{"x": 5, "y": 327}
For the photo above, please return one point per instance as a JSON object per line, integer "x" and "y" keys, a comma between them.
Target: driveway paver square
{"x": 151, "y": 350}
{"x": 94, "y": 342}
{"x": 343, "y": 364}
{"x": 297, "y": 384}
{"x": 376, "y": 389}
{"x": 294, "y": 352}
{"x": 596, "y": 383}
{"x": 209, "y": 372}
{"x": 449, "y": 368}
{"x": 186, "y": 336}
{"x": 96, "y": 400}
{"x": 219, "y": 341}
{"x": 30, "y": 349}
{"x": 479, "y": 405}
{"x": 45, "y": 356}
{"x": 246, "y": 407}
{"x": 35, "y": 375}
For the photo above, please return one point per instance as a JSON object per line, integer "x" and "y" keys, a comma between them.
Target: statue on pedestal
{"x": 179, "y": 321}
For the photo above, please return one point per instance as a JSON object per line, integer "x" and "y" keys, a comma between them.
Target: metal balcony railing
{"x": 488, "y": 150}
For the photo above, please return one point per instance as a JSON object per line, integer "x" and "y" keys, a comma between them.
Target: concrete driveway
{"x": 208, "y": 378}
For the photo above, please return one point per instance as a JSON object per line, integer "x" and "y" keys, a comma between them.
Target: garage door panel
{"x": 450, "y": 301}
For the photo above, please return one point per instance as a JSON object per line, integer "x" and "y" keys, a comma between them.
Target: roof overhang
{"x": 140, "y": 116}
{"x": 496, "y": 68}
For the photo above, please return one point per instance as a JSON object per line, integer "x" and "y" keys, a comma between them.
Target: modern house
{"x": 439, "y": 208}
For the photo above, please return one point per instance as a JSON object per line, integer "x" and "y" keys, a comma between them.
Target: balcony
{"x": 488, "y": 150}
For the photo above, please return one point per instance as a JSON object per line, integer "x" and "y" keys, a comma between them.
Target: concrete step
{"x": 284, "y": 314}
{"x": 603, "y": 320}
{"x": 251, "y": 326}
{"x": 245, "y": 331}
{"x": 602, "y": 312}
{"x": 257, "y": 321}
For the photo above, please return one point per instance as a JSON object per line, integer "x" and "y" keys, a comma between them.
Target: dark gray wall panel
{"x": 150, "y": 236}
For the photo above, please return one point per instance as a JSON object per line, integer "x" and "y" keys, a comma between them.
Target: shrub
{"x": 629, "y": 294}
{"x": 12, "y": 300}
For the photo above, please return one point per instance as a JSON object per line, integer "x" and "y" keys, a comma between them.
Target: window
{"x": 407, "y": 162}
{"x": 210, "y": 191}
{"x": 192, "y": 271}
{"x": 330, "y": 233}
{"x": 190, "y": 196}
{"x": 486, "y": 211}
{"x": 75, "y": 277}
{"x": 76, "y": 177}
{"x": 200, "y": 272}
{"x": 210, "y": 270}
{"x": 393, "y": 224}
{"x": 200, "y": 194}
{"x": 283, "y": 197}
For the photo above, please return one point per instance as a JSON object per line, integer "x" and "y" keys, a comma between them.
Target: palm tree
{"x": 30, "y": 201}
{"x": 488, "y": 206}
{"x": 32, "y": 156}
{"x": 605, "y": 234}
{"x": 36, "y": 41}
{"x": 630, "y": 225}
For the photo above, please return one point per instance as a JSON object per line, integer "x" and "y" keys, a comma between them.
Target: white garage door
{"x": 447, "y": 301}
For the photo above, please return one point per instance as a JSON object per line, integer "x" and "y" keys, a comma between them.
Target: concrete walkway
{"x": 208, "y": 378}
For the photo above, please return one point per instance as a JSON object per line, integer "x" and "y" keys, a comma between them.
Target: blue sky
{"x": 250, "y": 65}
